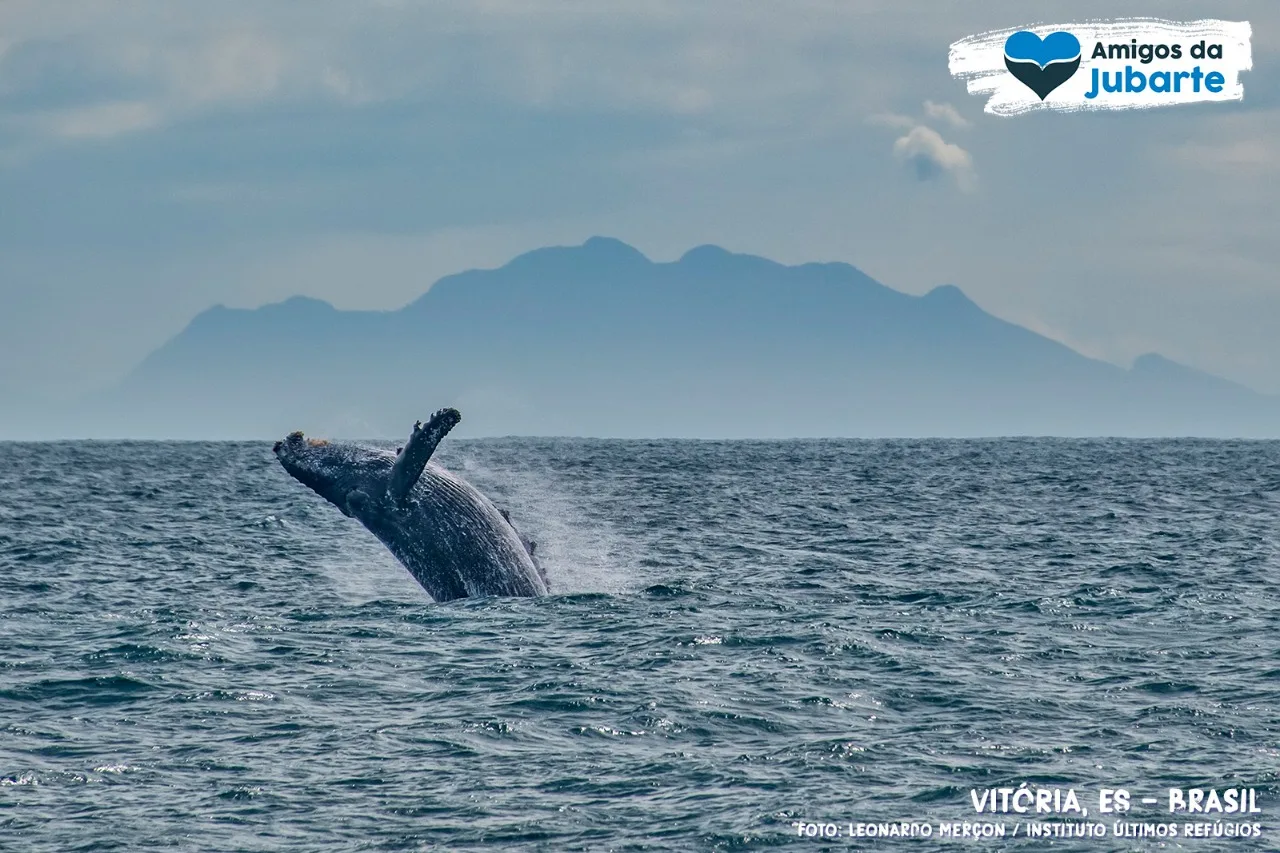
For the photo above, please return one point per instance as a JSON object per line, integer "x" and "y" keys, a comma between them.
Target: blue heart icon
{"x": 1042, "y": 64}
{"x": 1026, "y": 46}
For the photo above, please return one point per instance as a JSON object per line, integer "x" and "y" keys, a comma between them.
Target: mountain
{"x": 597, "y": 340}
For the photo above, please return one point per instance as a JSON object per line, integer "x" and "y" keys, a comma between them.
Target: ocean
{"x": 749, "y": 645}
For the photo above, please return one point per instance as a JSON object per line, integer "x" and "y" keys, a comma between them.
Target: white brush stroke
{"x": 979, "y": 60}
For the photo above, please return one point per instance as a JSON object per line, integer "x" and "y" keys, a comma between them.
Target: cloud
{"x": 894, "y": 121}
{"x": 662, "y": 58}
{"x": 99, "y": 121}
{"x": 243, "y": 128}
{"x": 931, "y": 156}
{"x": 924, "y": 150}
{"x": 1239, "y": 157}
{"x": 945, "y": 112}
{"x": 237, "y": 66}
{"x": 77, "y": 86}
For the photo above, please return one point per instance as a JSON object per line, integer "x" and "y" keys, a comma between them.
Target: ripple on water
{"x": 742, "y": 635}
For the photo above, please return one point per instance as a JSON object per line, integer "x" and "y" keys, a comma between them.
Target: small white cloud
{"x": 101, "y": 121}
{"x": 232, "y": 67}
{"x": 344, "y": 87}
{"x": 931, "y": 156}
{"x": 892, "y": 120}
{"x": 945, "y": 112}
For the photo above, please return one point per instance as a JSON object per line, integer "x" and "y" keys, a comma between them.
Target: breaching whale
{"x": 450, "y": 537}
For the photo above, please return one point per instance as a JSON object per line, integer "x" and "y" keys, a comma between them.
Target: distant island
{"x": 597, "y": 340}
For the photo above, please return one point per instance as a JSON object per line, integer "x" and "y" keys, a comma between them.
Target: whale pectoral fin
{"x": 415, "y": 454}
{"x": 356, "y": 502}
{"x": 506, "y": 515}
{"x": 533, "y": 546}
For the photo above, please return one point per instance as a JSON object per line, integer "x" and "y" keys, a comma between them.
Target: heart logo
{"x": 1042, "y": 64}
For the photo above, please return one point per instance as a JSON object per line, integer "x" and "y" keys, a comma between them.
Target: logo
{"x": 1042, "y": 64}
{"x": 1132, "y": 63}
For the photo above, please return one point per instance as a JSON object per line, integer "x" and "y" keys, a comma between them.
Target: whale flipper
{"x": 417, "y": 452}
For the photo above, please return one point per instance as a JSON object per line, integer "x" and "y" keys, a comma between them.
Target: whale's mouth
{"x": 292, "y": 449}
{"x": 312, "y": 462}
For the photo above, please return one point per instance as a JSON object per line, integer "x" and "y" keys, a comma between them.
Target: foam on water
{"x": 581, "y": 554}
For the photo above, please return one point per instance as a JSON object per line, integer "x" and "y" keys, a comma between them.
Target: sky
{"x": 161, "y": 157}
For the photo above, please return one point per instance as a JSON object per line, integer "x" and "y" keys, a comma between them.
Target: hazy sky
{"x": 158, "y": 157}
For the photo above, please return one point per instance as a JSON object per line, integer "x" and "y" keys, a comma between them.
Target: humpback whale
{"x": 450, "y": 537}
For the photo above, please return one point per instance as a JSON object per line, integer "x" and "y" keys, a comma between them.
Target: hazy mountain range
{"x": 597, "y": 340}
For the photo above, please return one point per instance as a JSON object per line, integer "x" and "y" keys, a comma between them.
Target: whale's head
{"x": 334, "y": 470}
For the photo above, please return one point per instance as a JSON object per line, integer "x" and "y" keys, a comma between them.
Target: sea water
{"x": 744, "y": 640}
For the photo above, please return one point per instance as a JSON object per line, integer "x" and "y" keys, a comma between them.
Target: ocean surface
{"x": 198, "y": 653}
